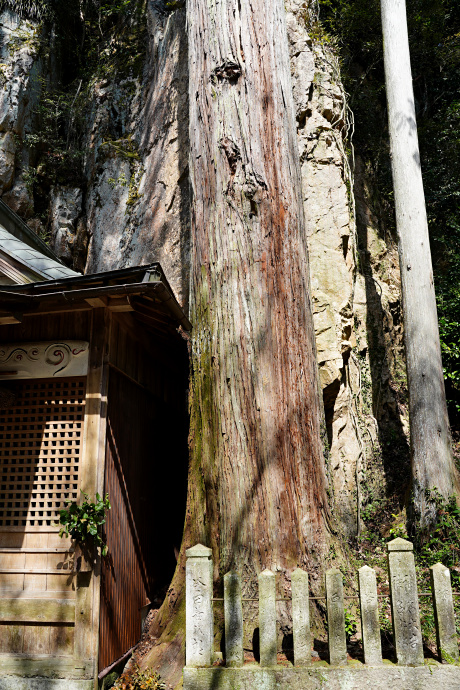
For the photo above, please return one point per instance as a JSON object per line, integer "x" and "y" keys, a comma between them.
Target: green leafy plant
{"x": 30, "y": 177}
{"x": 398, "y": 530}
{"x": 140, "y": 680}
{"x": 83, "y": 521}
{"x": 350, "y": 624}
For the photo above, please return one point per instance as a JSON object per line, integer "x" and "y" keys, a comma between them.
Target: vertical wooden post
{"x": 267, "y": 618}
{"x": 370, "y": 616}
{"x": 405, "y": 612}
{"x": 233, "y": 610}
{"x": 92, "y": 473}
{"x": 444, "y": 615}
{"x": 336, "y": 617}
{"x": 301, "y": 618}
{"x": 199, "y": 625}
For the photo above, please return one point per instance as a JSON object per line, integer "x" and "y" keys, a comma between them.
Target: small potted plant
{"x": 83, "y": 523}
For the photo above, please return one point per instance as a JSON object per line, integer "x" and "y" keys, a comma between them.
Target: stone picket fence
{"x": 410, "y": 671}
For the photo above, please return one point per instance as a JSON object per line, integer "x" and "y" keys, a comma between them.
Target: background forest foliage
{"x": 354, "y": 28}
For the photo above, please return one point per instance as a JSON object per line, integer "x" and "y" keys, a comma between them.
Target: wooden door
{"x": 41, "y": 436}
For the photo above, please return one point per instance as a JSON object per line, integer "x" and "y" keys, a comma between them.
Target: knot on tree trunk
{"x": 231, "y": 151}
{"x": 229, "y": 70}
{"x": 254, "y": 186}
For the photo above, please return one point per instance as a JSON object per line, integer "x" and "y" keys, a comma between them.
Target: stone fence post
{"x": 267, "y": 618}
{"x": 199, "y": 622}
{"x": 370, "y": 624}
{"x": 444, "y": 615}
{"x": 336, "y": 617}
{"x": 233, "y": 611}
{"x": 404, "y": 603}
{"x": 301, "y": 618}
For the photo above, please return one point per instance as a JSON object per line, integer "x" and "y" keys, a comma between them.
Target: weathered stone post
{"x": 336, "y": 617}
{"x": 404, "y": 603}
{"x": 233, "y": 611}
{"x": 370, "y": 616}
{"x": 199, "y": 624}
{"x": 444, "y": 616}
{"x": 267, "y": 618}
{"x": 301, "y": 618}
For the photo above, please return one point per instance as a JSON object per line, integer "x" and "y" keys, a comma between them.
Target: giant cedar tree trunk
{"x": 257, "y": 491}
{"x": 257, "y": 482}
{"x": 431, "y": 451}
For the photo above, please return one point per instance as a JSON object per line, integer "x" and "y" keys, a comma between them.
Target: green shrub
{"x": 83, "y": 521}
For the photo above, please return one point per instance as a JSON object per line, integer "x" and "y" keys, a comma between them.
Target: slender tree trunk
{"x": 257, "y": 481}
{"x": 431, "y": 451}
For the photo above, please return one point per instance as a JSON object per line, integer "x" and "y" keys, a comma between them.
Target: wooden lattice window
{"x": 41, "y": 437}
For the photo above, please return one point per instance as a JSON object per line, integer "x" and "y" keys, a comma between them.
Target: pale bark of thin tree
{"x": 258, "y": 483}
{"x": 431, "y": 451}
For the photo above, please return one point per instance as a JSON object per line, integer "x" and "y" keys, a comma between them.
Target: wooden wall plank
{"x": 11, "y": 582}
{"x": 36, "y": 561}
{"x": 36, "y": 639}
{"x": 11, "y": 638}
{"x": 62, "y": 640}
{"x": 61, "y": 583}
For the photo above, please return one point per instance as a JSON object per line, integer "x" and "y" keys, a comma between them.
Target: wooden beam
{"x": 6, "y": 319}
{"x": 97, "y": 301}
{"x": 18, "y": 594}
{"x": 10, "y": 318}
{"x": 37, "y": 571}
{"x": 119, "y": 305}
{"x": 52, "y": 667}
{"x": 92, "y": 473}
{"x": 59, "y": 309}
{"x": 37, "y": 611}
{"x": 19, "y": 549}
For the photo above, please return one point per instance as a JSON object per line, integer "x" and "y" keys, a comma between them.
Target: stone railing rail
{"x": 411, "y": 670}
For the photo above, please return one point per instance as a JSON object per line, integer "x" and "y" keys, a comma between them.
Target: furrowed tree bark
{"x": 431, "y": 451}
{"x": 258, "y": 495}
{"x": 258, "y": 484}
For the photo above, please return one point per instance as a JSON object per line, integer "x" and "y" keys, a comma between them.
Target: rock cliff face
{"x": 131, "y": 206}
{"x": 137, "y": 207}
{"x": 20, "y": 69}
{"x": 354, "y": 281}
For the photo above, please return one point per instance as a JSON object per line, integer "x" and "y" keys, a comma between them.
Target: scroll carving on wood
{"x": 48, "y": 359}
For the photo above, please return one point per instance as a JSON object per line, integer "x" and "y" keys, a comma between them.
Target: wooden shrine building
{"x": 93, "y": 399}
